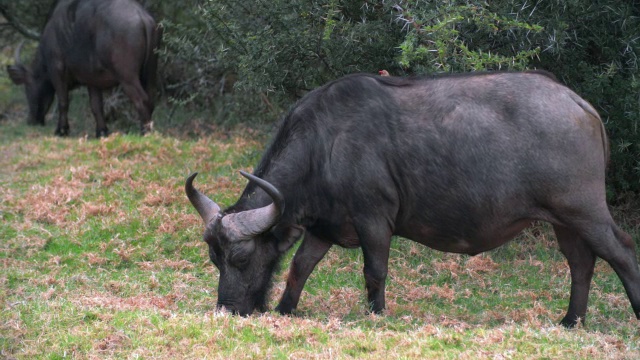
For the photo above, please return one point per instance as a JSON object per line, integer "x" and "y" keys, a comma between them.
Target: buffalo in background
{"x": 94, "y": 43}
{"x": 458, "y": 163}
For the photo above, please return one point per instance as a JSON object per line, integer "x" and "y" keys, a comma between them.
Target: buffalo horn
{"x": 206, "y": 207}
{"x": 246, "y": 224}
{"x": 16, "y": 54}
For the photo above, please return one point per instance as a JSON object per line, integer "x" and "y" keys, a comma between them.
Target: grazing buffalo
{"x": 458, "y": 163}
{"x": 98, "y": 44}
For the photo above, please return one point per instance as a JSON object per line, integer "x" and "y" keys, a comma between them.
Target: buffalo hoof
{"x": 375, "y": 312}
{"x": 146, "y": 128}
{"x": 571, "y": 322}
{"x": 64, "y": 131}
{"x": 284, "y": 310}
{"x": 102, "y": 133}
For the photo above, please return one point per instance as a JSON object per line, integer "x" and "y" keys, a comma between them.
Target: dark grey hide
{"x": 94, "y": 43}
{"x": 458, "y": 163}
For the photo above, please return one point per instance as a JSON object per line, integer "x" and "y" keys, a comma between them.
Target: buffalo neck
{"x": 288, "y": 164}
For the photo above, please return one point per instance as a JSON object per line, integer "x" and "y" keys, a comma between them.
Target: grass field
{"x": 101, "y": 257}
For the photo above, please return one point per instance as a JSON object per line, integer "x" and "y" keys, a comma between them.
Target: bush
{"x": 454, "y": 36}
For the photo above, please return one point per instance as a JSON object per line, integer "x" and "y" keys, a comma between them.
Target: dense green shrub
{"x": 457, "y": 36}
{"x": 26, "y": 17}
{"x": 278, "y": 50}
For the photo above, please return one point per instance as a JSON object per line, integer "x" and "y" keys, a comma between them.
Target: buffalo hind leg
{"x": 141, "y": 102}
{"x": 581, "y": 264}
{"x": 619, "y": 252}
{"x": 310, "y": 252}
{"x": 95, "y": 98}
{"x": 616, "y": 247}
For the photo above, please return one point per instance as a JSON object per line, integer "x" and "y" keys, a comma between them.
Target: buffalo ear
{"x": 17, "y": 73}
{"x": 288, "y": 236}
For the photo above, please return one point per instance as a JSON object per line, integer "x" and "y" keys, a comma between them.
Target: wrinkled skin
{"x": 458, "y": 163}
{"x": 97, "y": 44}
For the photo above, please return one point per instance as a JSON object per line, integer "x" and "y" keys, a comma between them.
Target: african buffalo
{"x": 98, "y": 44}
{"x": 459, "y": 163}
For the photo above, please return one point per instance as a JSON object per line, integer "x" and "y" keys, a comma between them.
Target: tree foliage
{"x": 25, "y": 17}
{"x": 289, "y": 47}
{"x": 454, "y": 36}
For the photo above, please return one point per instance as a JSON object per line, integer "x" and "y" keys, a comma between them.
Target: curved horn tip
{"x": 17, "y": 52}
{"x": 206, "y": 207}
{"x": 192, "y": 176}
{"x": 189, "y": 183}
{"x": 275, "y": 194}
{"x": 256, "y": 179}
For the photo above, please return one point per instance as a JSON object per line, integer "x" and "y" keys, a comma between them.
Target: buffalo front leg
{"x": 311, "y": 251}
{"x": 62, "y": 92}
{"x": 141, "y": 102}
{"x": 95, "y": 97}
{"x": 581, "y": 264}
{"x": 375, "y": 243}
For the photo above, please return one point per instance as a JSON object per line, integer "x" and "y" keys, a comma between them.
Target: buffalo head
{"x": 38, "y": 87}
{"x": 245, "y": 246}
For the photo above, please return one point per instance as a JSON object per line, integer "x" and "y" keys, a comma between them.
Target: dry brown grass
{"x": 102, "y": 258}
{"x": 50, "y": 203}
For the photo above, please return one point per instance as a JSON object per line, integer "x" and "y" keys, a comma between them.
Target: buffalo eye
{"x": 239, "y": 260}
{"x": 241, "y": 253}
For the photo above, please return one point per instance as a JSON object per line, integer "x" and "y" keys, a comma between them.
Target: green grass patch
{"x": 101, "y": 256}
